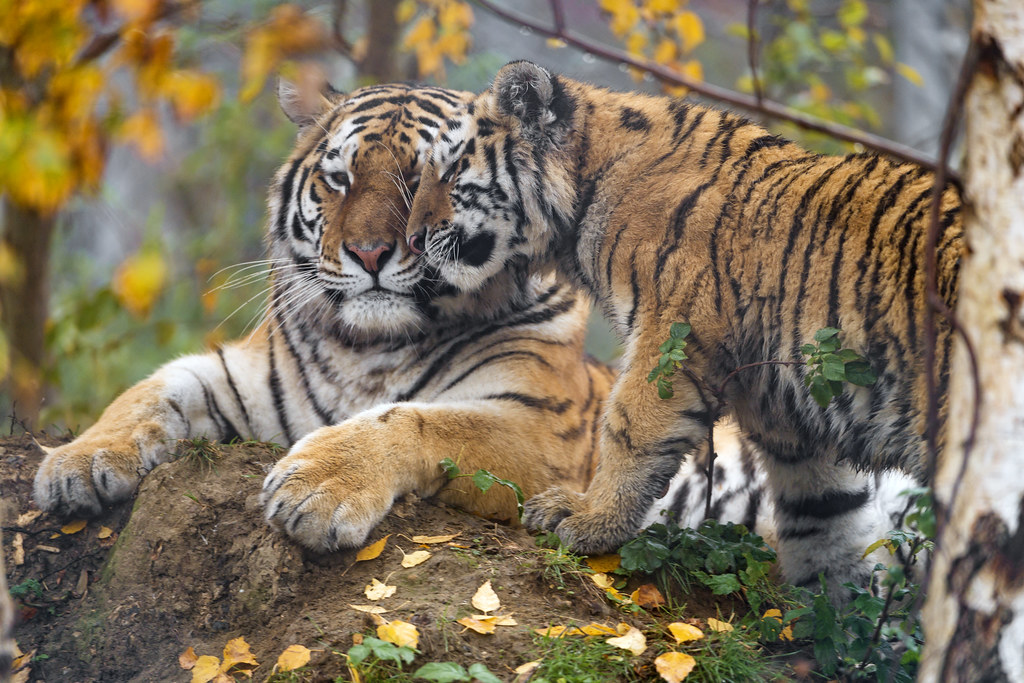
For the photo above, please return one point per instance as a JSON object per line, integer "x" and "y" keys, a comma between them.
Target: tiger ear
{"x": 304, "y": 103}
{"x": 531, "y": 94}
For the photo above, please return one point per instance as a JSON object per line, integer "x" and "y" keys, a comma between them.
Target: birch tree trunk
{"x": 974, "y": 614}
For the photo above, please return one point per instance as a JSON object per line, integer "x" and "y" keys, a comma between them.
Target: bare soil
{"x": 192, "y": 563}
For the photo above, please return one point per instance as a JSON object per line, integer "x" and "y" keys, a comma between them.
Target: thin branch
{"x": 101, "y": 43}
{"x": 715, "y": 92}
{"x": 752, "y": 49}
{"x": 341, "y": 43}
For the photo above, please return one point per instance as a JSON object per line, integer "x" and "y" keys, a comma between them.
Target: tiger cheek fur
{"x": 670, "y": 212}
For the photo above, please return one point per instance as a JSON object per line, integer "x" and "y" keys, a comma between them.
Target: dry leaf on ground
{"x": 674, "y": 666}
{"x": 73, "y": 527}
{"x": 293, "y": 657}
{"x": 415, "y": 558}
{"x": 603, "y": 564}
{"x": 372, "y": 551}
{"x": 648, "y": 596}
{"x": 485, "y": 599}
{"x": 433, "y": 539}
{"x": 716, "y": 625}
{"x": 485, "y": 627}
{"x": 26, "y": 518}
{"x": 237, "y": 653}
{"x": 602, "y": 580}
{"x": 684, "y": 632}
{"x": 527, "y": 668}
{"x": 633, "y": 640}
{"x": 206, "y": 669}
{"x": 18, "y": 543}
{"x": 400, "y": 633}
{"x": 377, "y": 590}
{"x": 188, "y": 659}
{"x": 369, "y": 609}
{"x": 105, "y": 532}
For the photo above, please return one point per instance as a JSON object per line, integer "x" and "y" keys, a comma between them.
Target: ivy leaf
{"x": 483, "y": 480}
{"x": 481, "y": 673}
{"x": 442, "y": 672}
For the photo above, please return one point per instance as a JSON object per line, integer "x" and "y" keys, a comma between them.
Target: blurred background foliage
{"x": 137, "y": 139}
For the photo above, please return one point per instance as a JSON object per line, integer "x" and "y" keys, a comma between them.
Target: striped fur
{"x": 665, "y": 212}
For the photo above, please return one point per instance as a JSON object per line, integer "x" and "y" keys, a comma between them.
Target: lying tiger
{"x": 665, "y": 212}
{"x": 367, "y": 369}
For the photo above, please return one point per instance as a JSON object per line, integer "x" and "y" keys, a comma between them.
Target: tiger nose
{"x": 418, "y": 241}
{"x": 373, "y": 257}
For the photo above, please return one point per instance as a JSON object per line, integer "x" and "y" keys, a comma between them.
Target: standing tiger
{"x": 665, "y": 212}
{"x": 371, "y": 372}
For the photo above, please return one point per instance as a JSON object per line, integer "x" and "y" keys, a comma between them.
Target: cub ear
{"x": 533, "y": 95}
{"x": 305, "y": 102}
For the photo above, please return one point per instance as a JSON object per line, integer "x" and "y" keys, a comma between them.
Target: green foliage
{"x": 447, "y": 672}
{"x": 199, "y": 452}
{"x": 728, "y": 656}
{"x": 379, "y": 660}
{"x": 725, "y": 558}
{"x": 579, "y": 660}
{"x": 484, "y": 480}
{"x": 829, "y": 366}
{"x": 27, "y": 588}
{"x": 672, "y": 357}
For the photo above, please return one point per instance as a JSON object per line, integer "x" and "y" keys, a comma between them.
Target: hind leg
{"x": 825, "y": 516}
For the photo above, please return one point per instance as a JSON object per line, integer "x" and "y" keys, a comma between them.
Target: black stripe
{"x": 234, "y": 392}
{"x": 277, "y": 394}
{"x": 826, "y": 505}
{"x": 547, "y": 404}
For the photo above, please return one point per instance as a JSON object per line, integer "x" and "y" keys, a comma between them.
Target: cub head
{"x": 338, "y": 209}
{"x": 498, "y": 188}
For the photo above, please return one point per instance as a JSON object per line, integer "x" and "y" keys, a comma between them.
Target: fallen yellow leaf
{"x": 602, "y": 580}
{"x": 684, "y": 632}
{"x": 648, "y": 596}
{"x": 188, "y": 659}
{"x": 293, "y": 657}
{"x": 496, "y": 620}
{"x": 206, "y": 669}
{"x": 73, "y": 527}
{"x": 674, "y": 666}
{"x": 485, "y": 626}
{"x": 598, "y": 630}
{"x": 237, "y": 654}
{"x": 786, "y": 633}
{"x": 105, "y": 532}
{"x": 485, "y": 599}
{"x": 527, "y": 668}
{"x": 554, "y": 631}
{"x": 415, "y": 558}
{"x": 26, "y": 518}
{"x": 369, "y": 609}
{"x": 400, "y": 633}
{"x": 603, "y": 564}
{"x": 378, "y": 591}
{"x": 372, "y": 551}
{"x": 433, "y": 539}
{"x": 633, "y": 640}
{"x": 716, "y": 625}
{"x": 772, "y": 613}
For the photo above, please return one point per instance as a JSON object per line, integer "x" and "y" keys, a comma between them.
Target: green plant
{"x": 484, "y": 480}
{"x": 379, "y": 660}
{"x": 579, "y": 660}
{"x": 672, "y": 357}
{"x": 28, "y": 587}
{"x": 828, "y": 366}
{"x": 728, "y": 656}
{"x": 447, "y": 672}
{"x": 199, "y": 452}
{"x": 726, "y": 558}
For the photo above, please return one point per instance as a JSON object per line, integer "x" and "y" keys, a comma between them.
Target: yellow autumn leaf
{"x": 415, "y": 558}
{"x": 555, "y": 43}
{"x": 369, "y": 609}
{"x": 786, "y": 633}
{"x": 372, "y": 551}
{"x": 648, "y": 596}
{"x": 206, "y": 669}
{"x": 139, "y": 280}
{"x": 602, "y": 580}
{"x": 772, "y": 613}
{"x": 555, "y": 631}
{"x": 192, "y": 93}
{"x": 485, "y": 599}
{"x": 236, "y": 653}
{"x": 674, "y": 666}
{"x": 684, "y": 632}
{"x": 598, "y": 630}
{"x": 690, "y": 29}
{"x": 496, "y": 620}
{"x": 422, "y": 32}
{"x": 720, "y": 626}
{"x": 636, "y": 42}
{"x": 400, "y": 633}
{"x": 142, "y": 130}
{"x": 455, "y": 15}
{"x": 527, "y": 668}
{"x": 910, "y": 73}
{"x": 624, "y": 14}
{"x": 663, "y": 6}
{"x": 482, "y": 626}
{"x": 105, "y": 532}
{"x": 293, "y": 657}
{"x": 665, "y": 52}
{"x": 376, "y": 590}
{"x": 73, "y": 527}
{"x": 633, "y": 640}
{"x": 137, "y": 10}
{"x": 187, "y": 659}
{"x": 433, "y": 539}
{"x": 405, "y": 11}
{"x": 603, "y": 564}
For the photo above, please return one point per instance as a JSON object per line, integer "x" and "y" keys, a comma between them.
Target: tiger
{"x": 667, "y": 211}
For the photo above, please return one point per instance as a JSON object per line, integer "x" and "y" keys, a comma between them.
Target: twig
{"x": 715, "y": 92}
{"x": 752, "y": 45}
{"x": 341, "y": 43}
{"x": 101, "y": 43}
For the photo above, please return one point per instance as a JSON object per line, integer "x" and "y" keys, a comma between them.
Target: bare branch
{"x": 715, "y": 92}
{"x": 752, "y": 49}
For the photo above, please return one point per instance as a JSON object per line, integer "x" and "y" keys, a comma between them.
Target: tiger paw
{"x": 96, "y": 469}
{"x": 595, "y": 533}
{"x": 544, "y": 511}
{"x": 322, "y": 500}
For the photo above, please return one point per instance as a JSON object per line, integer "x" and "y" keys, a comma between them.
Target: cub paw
{"x": 594, "y": 533}
{"x": 79, "y": 478}
{"x": 544, "y": 511}
{"x": 322, "y": 502}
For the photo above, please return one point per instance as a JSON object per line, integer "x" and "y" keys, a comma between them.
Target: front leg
{"x": 339, "y": 482}
{"x": 190, "y": 397}
{"x": 642, "y": 441}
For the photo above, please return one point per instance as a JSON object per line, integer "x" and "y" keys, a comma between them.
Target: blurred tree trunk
{"x": 974, "y": 614}
{"x": 23, "y": 296}
{"x": 380, "y": 63}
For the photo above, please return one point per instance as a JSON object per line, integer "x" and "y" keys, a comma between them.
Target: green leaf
{"x": 482, "y": 673}
{"x": 653, "y": 375}
{"x": 677, "y": 355}
{"x": 826, "y": 333}
{"x": 665, "y": 389}
{"x": 450, "y": 468}
{"x": 679, "y": 330}
{"x": 719, "y": 561}
{"x": 666, "y": 346}
{"x": 357, "y": 653}
{"x": 442, "y": 672}
{"x": 808, "y": 349}
{"x": 484, "y": 480}
{"x": 820, "y": 391}
{"x": 833, "y": 368}
{"x": 847, "y": 355}
{"x": 859, "y": 372}
{"x": 723, "y": 584}
{"x": 852, "y": 13}
{"x": 884, "y": 47}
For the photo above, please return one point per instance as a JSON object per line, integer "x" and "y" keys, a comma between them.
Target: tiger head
{"x": 338, "y": 208}
{"x": 499, "y": 188}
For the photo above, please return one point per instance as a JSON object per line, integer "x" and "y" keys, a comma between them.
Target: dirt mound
{"x": 193, "y": 564}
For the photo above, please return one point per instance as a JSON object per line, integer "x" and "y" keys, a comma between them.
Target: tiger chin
{"x": 665, "y": 212}
{"x": 368, "y": 370}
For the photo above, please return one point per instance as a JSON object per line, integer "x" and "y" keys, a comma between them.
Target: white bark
{"x": 974, "y": 615}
